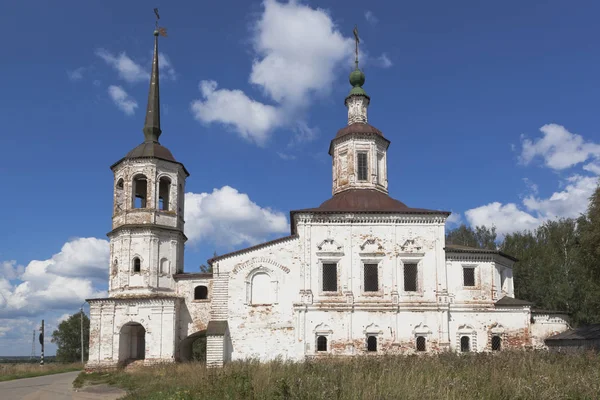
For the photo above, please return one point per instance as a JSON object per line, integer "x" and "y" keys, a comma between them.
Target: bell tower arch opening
{"x": 132, "y": 342}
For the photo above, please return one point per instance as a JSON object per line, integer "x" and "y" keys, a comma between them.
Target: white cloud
{"x": 371, "y": 18}
{"x": 384, "y": 61}
{"x": 285, "y": 156}
{"x": 559, "y": 148}
{"x": 228, "y": 217}
{"x": 10, "y": 270}
{"x": 122, "y": 100}
{"x": 252, "y": 119}
{"x": 454, "y": 219}
{"x": 166, "y": 69}
{"x": 61, "y": 282}
{"x": 506, "y": 218}
{"x": 127, "y": 69}
{"x": 298, "y": 51}
{"x": 76, "y": 74}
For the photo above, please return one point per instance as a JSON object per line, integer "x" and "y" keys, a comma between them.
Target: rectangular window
{"x": 469, "y": 276}
{"x": 380, "y": 168}
{"x": 371, "y": 278}
{"x": 410, "y": 277}
{"x": 362, "y": 166}
{"x": 330, "y": 277}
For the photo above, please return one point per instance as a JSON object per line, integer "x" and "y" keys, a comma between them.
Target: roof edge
{"x": 252, "y": 248}
{"x": 113, "y": 166}
{"x": 474, "y": 250}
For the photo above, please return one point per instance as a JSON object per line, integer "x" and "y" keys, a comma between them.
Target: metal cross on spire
{"x": 161, "y": 30}
{"x": 357, "y": 40}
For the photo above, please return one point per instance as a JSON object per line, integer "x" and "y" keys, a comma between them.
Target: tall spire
{"x": 357, "y": 100}
{"x": 152, "y": 124}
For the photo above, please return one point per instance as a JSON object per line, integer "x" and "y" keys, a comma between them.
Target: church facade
{"x": 362, "y": 273}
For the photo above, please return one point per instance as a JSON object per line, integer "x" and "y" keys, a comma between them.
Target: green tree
{"x": 68, "y": 339}
{"x": 481, "y": 237}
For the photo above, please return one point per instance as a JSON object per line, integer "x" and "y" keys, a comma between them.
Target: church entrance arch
{"x": 193, "y": 348}
{"x": 132, "y": 342}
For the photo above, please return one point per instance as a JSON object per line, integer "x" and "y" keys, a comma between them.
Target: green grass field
{"x": 506, "y": 375}
{"x": 11, "y": 371}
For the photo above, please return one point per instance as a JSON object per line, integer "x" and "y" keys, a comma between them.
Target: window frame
{"x": 379, "y": 266}
{"x": 133, "y": 266}
{"x": 274, "y": 285}
{"x": 207, "y": 299}
{"x": 424, "y": 343}
{"x": 358, "y": 169}
{"x": 466, "y": 268}
{"x": 476, "y": 280}
{"x": 338, "y": 290}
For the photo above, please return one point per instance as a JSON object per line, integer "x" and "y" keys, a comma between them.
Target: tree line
{"x": 559, "y": 262}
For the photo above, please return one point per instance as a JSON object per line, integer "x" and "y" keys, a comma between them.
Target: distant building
{"x": 578, "y": 339}
{"x": 362, "y": 273}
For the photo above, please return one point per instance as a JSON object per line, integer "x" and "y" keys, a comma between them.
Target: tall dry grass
{"x": 508, "y": 375}
{"x": 11, "y": 371}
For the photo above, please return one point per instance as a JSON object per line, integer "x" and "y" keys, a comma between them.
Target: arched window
{"x": 496, "y": 343}
{"x": 164, "y": 266}
{"x": 261, "y": 288}
{"x": 200, "y": 293}
{"x": 465, "y": 345}
{"x": 119, "y": 195}
{"x": 372, "y": 343}
{"x": 137, "y": 265}
{"x": 140, "y": 191}
{"x": 164, "y": 189}
{"x": 421, "y": 343}
{"x": 322, "y": 343}
{"x": 115, "y": 267}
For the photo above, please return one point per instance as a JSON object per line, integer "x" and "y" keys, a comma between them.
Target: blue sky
{"x": 491, "y": 108}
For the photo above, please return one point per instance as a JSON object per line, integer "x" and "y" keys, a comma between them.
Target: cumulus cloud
{"x": 298, "y": 50}
{"x": 127, "y": 69}
{"x": 559, "y": 148}
{"x": 230, "y": 218}
{"x": 252, "y": 119}
{"x": 454, "y": 219}
{"x": 61, "y": 282}
{"x": 122, "y": 100}
{"x": 371, "y": 18}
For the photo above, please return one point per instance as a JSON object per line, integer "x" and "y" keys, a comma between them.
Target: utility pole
{"x": 81, "y": 333}
{"x": 42, "y": 343}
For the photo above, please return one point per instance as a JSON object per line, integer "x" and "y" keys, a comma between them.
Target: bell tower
{"x": 359, "y": 150}
{"x": 147, "y": 239}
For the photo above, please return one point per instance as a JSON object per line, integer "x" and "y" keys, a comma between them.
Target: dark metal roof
{"x": 252, "y": 248}
{"x": 456, "y": 248}
{"x": 151, "y": 149}
{"x": 366, "y": 200}
{"x": 360, "y": 128}
{"x": 588, "y": 332}
{"x": 197, "y": 275}
{"x": 216, "y": 328}
{"x": 512, "y": 302}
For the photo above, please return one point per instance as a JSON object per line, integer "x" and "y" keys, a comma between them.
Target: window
{"x": 261, "y": 288}
{"x": 372, "y": 343}
{"x": 330, "y": 277}
{"x": 469, "y": 276}
{"x": 115, "y": 267}
{"x": 421, "y": 343}
{"x": 140, "y": 192}
{"x": 496, "y": 343}
{"x": 410, "y": 277}
{"x": 137, "y": 265}
{"x": 371, "y": 277}
{"x": 119, "y": 195}
{"x": 322, "y": 343}
{"x": 200, "y": 293}
{"x": 380, "y": 179}
{"x": 164, "y": 188}
{"x": 465, "y": 345}
{"x": 362, "y": 166}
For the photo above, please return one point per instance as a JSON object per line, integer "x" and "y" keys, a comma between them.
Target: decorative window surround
{"x": 274, "y": 285}
{"x": 323, "y": 330}
{"x": 477, "y": 278}
{"x": 471, "y": 333}
{"x": 411, "y": 259}
{"x": 373, "y": 330}
{"x": 379, "y": 263}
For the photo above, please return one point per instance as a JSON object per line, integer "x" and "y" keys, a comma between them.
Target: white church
{"x": 362, "y": 274}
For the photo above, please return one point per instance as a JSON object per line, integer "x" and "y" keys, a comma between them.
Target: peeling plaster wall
{"x": 545, "y": 325}
{"x": 263, "y": 331}
{"x": 107, "y": 318}
{"x": 487, "y": 278}
{"x": 194, "y": 314}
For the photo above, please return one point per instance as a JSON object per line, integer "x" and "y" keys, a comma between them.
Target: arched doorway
{"x": 132, "y": 342}
{"x": 193, "y": 347}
